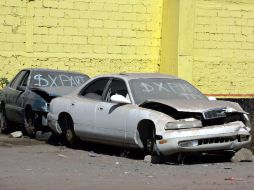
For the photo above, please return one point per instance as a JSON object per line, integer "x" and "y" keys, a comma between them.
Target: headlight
{"x": 183, "y": 124}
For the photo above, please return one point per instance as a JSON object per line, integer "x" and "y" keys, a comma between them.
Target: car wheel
{"x": 150, "y": 143}
{"x": 4, "y": 122}
{"x": 30, "y": 128}
{"x": 152, "y": 149}
{"x": 69, "y": 136}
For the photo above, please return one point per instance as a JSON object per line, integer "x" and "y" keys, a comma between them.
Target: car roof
{"x": 129, "y": 76}
{"x": 54, "y": 70}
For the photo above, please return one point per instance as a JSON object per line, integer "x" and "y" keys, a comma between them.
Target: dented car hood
{"x": 197, "y": 105}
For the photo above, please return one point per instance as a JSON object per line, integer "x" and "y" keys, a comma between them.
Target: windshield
{"x": 163, "y": 88}
{"x": 56, "y": 79}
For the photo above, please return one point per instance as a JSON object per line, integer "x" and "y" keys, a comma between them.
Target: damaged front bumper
{"x": 230, "y": 136}
{"x": 53, "y": 123}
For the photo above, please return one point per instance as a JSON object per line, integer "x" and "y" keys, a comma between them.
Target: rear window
{"x": 57, "y": 79}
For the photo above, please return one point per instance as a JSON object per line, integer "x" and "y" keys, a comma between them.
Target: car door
{"x": 14, "y": 99}
{"x": 110, "y": 118}
{"x": 83, "y": 107}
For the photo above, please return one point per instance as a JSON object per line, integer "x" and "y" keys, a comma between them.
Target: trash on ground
{"x": 93, "y": 154}
{"x": 28, "y": 169}
{"x": 16, "y": 134}
{"x": 61, "y": 155}
{"x": 148, "y": 159}
{"x": 233, "y": 179}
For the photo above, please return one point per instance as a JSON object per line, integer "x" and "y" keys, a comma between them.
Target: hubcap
{"x": 69, "y": 135}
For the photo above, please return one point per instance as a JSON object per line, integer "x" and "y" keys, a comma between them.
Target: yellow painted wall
{"x": 90, "y": 36}
{"x": 208, "y": 42}
{"x": 216, "y": 46}
{"x": 169, "y": 34}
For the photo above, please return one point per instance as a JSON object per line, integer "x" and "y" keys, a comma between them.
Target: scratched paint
{"x": 56, "y": 79}
{"x": 169, "y": 87}
{"x": 144, "y": 89}
{"x": 166, "y": 87}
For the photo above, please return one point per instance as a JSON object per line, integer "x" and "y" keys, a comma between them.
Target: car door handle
{"x": 100, "y": 108}
{"x": 73, "y": 104}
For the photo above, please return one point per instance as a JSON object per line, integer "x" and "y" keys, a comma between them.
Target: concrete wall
{"x": 90, "y": 36}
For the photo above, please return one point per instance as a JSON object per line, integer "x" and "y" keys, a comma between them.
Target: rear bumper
{"x": 231, "y": 136}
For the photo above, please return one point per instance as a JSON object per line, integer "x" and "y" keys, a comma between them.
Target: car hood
{"x": 197, "y": 105}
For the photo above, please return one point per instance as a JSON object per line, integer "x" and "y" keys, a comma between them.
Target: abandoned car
{"x": 160, "y": 114}
{"x": 26, "y": 98}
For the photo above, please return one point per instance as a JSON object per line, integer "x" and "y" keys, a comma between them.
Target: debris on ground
{"x": 42, "y": 136}
{"x": 148, "y": 159}
{"x": 16, "y": 134}
{"x": 93, "y": 154}
{"x": 231, "y": 178}
{"x": 61, "y": 155}
{"x": 243, "y": 155}
{"x": 28, "y": 169}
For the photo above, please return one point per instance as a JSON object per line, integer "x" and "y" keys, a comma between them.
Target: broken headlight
{"x": 183, "y": 124}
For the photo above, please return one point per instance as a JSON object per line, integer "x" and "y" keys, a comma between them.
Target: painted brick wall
{"x": 90, "y": 36}
{"x": 223, "y": 47}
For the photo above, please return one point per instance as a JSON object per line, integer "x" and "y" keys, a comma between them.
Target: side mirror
{"x": 21, "y": 88}
{"x": 119, "y": 99}
{"x": 211, "y": 98}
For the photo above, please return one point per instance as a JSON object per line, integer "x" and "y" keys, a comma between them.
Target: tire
{"x": 30, "y": 128}
{"x": 69, "y": 137}
{"x": 149, "y": 146}
{"x": 4, "y": 122}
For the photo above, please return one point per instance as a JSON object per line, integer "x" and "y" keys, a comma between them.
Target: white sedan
{"x": 158, "y": 113}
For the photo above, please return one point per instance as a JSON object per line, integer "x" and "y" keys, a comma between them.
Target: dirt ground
{"x": 27, "y": 164}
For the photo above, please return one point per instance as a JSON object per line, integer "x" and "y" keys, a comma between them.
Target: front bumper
{"x": 230, "y": 136}
{"x": 53, "y": 123}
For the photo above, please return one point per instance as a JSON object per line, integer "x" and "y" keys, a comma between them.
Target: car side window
{"x": 117, "y": 87}
{"x": 17, "y": 80}
{"x": 25, "y": 79}
{"x": 95, "y": 89}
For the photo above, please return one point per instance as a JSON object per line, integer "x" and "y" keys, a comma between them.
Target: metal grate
{"x": 216, "y": 140}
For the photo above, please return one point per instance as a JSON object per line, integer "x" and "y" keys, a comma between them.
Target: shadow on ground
{"x": 96, "y": 148}
{"x": 187, "y": 158}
